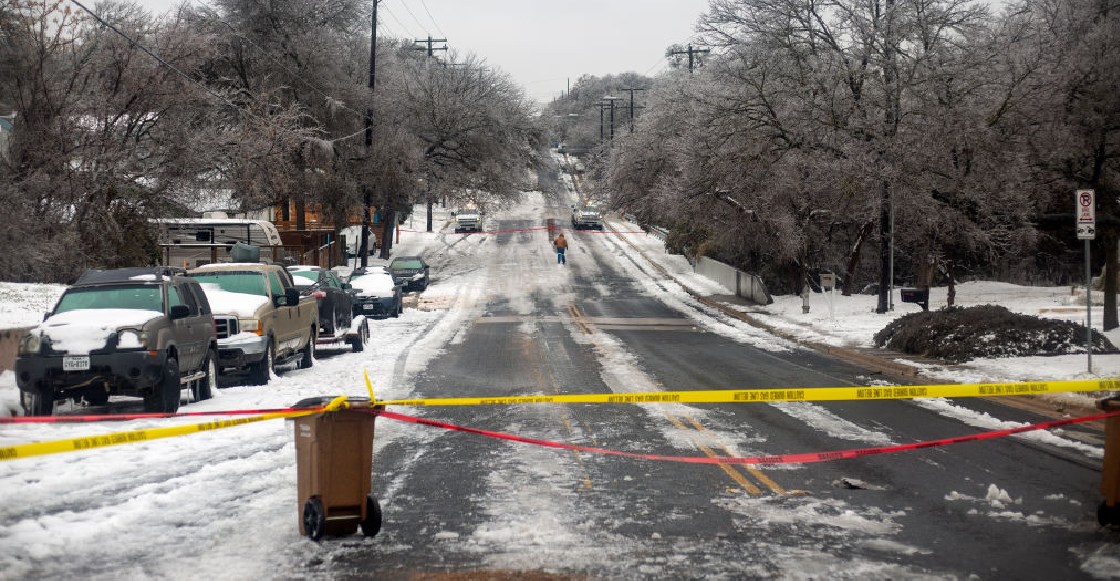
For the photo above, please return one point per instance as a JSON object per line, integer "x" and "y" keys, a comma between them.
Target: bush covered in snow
{"x": 959, "y": 334}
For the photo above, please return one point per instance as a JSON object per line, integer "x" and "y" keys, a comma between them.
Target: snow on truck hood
{"x": 241, "y": 305}
{"x": 82, "y": 330}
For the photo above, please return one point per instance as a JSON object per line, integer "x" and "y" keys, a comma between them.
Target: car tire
{"x": 41, "y": 404}
{"x": 164, "y": 397}
{"x": 307, "y": 358}
{"x": 261, "y": 372}
{"x": 204, "y": 388}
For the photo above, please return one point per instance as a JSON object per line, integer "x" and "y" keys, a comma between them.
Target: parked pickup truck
{"x": 140, "y": 332}
{"x": 468, "y": 221}
{"x": 262, "y": 320}
{"x": 586, "y": 217}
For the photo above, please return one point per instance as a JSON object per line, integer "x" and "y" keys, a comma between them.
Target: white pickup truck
{"x": 468, "y": 221}
{"x": 586, "y": 217}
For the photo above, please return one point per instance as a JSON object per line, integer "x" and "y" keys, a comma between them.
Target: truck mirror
{"x": 291, "y": 297}
{"x": 180, "y": 312}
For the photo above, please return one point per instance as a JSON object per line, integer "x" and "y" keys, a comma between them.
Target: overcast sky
{"x": 543, "y": 45}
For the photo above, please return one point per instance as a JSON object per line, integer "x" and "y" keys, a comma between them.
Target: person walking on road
{"x": 561, "y": 245}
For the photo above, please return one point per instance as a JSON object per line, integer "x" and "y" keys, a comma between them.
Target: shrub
{"x": 958, "y": 334}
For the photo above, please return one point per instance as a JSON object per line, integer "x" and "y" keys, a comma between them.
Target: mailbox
{"x": 918, "y": 296}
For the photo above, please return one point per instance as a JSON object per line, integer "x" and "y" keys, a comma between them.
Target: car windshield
{"x": 311, "y": 275}
{"x": 592, "y": 209}
{"x": 407, "y": 264}
{"x": 147, "y": 298}
{"x": 250, "y": 283}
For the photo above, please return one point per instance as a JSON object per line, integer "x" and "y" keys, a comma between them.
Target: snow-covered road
{"x": 222, "y": 504}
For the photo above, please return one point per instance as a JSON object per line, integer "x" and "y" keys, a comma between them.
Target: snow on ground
{"x": 842, "y": 321}
{"x": 47, "y": 524}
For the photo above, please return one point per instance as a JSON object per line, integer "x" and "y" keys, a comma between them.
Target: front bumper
{"x": 241, "y": 350}
{"x": 121, "y": 373}
{"x": 375, "y": 306}
{"x": 411, "y": 280}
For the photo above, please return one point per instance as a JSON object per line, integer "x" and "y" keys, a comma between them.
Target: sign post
{"x": 1085, "y": 208}
{"x": 828, "y": 285}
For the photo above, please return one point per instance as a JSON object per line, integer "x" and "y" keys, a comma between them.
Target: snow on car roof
{"x": 373, "y": 284}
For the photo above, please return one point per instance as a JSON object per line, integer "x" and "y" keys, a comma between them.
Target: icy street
{"x": 502, "y": 318}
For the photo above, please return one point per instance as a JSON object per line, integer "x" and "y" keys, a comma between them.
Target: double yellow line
{"x": 740, "y": 474}
{"x": 579, "y": 319}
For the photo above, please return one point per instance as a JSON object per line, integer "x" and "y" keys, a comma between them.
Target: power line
{"x": 157, "y": 57}
{"x": 194, "y": 81}
{"x": 413, "y": 15}
{"x": 690, "y": 52}
{"x": 434, "y": 23}
{"x": 407, "y": 32}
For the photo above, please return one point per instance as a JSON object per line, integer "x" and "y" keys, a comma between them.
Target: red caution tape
{"x": 803, "y": 458}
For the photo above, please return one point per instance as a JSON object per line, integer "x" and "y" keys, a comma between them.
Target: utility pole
{"x": 690, "y": 52}
{"x": 602, "y": 107}
{"x": 430, "y": 41}
{"x": 611, "y": 99}
{"x": 632, "y": 105}
{"x": 430, "y": 52}
{"x": 364, "y": 246}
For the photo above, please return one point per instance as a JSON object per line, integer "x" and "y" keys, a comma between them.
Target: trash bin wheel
{"x": 372, "y": 523}
{"x": 314, "y": 518}
{"x": 1108, "y": 515}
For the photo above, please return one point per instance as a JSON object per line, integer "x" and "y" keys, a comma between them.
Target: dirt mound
{"x": 959, "y": 334}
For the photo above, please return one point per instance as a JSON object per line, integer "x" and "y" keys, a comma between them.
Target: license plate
{"x": 75, "y": 363}
{"x": 367, "y": 307}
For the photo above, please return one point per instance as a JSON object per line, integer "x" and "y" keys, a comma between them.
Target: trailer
{"x": 355, "y": 337}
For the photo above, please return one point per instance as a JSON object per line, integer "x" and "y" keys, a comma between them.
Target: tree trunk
{"x": 854, "y": 256}
{"x": 1111, "y": 269}
{"x": 884, "y": 248}
{"x": 390, "y": 228}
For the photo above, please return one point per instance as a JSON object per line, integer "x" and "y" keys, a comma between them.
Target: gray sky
{"x": 543, "y": 45}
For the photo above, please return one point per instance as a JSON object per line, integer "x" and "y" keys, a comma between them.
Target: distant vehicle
{"x": 410, "y": 271}
{"x": 140, "y": 332}
{"x": 336, "y": 305}
{"x": 377, "y": 294}
{"x": 353, "y": 237}
{"x": 193, "y": 242}
{"x": 262, "y": 320}
{"x": 468, "y": 221}
{"x": 586, "y": 217}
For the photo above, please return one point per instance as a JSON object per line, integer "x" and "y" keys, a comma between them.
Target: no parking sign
{"x": 1086, "y": 215}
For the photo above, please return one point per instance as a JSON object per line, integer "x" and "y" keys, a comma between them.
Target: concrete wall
{"x": 743, "y": 284}
{"x": 9, "y": 347}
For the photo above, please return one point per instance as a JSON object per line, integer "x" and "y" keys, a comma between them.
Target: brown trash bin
{"x": 334, "y": 458}
{"x": 1108, "y": 513}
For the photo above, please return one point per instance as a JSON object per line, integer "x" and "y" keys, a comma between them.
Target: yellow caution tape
{"x": 784, "y": 394}
{"x": 117, "y": 438}
{"x": 369, "y": 386}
